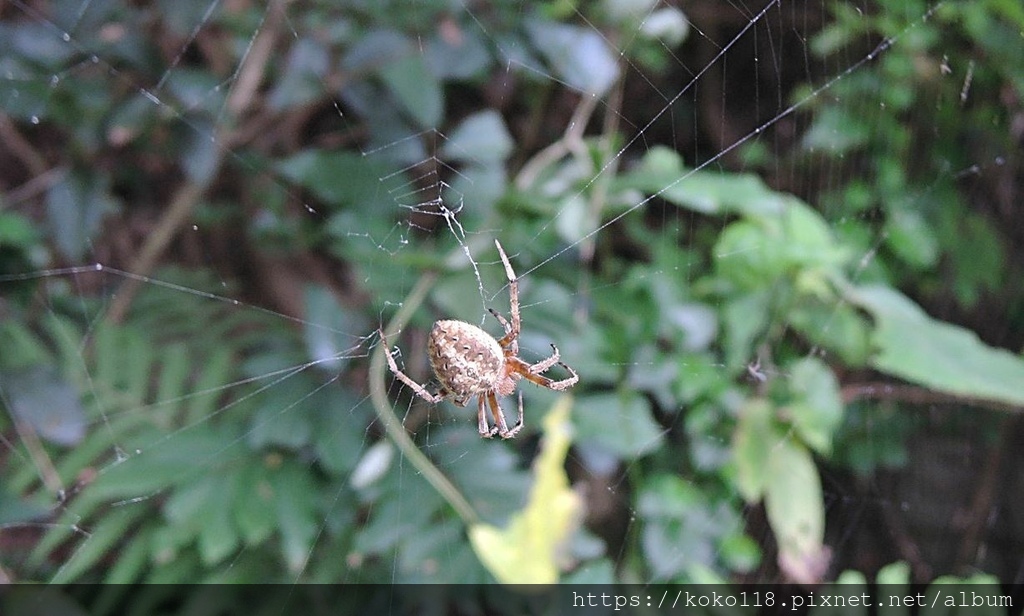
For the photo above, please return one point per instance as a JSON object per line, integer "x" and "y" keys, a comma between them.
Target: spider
{"x": 470, "y": 362}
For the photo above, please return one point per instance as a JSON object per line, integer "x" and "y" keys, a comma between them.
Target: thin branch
{"x": 188, "y": 195}
{"x": 393, "y": 425}
{"x": 918, "y": 395}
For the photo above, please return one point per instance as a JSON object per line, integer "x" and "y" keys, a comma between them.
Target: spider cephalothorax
{"x": 470, "y": 362}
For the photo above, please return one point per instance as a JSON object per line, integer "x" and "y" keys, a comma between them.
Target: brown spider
{"x": 468, "y": 361}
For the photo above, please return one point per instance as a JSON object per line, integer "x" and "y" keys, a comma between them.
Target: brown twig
{"x": 185, "y": 199}
{"x": 917, "y": 395}
{"x": 981, "y": 504}
{"x": 21, "y": 147}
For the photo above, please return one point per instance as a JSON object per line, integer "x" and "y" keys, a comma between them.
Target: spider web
{"x": 389, "y": 185}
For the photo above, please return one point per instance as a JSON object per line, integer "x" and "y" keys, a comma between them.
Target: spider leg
{"x": 541, "y": 366}
{"x": 481, "y": 418}
{"x": 507, "y": 340}
{"x": 420, "y": 390}
{"x": 513, "y": 292}
{"x": 499, "y": 418}
{"x": 519, "y": 420}
{"x": 544, "y": 381}
{"x": 504, "y": 322}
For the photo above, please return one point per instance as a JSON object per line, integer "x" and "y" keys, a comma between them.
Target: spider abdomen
{"x": 466, "y": 359}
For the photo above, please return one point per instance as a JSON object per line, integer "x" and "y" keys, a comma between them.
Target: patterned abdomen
{"x": 465, "y": 358}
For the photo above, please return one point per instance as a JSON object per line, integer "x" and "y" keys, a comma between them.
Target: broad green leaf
{"x": 340, "y": 178}
{"x": 912, "y": 346}
{"x": 325, "y": 326}
{"x": 464, "y": 57}
{"x": 662, "y": 173}
{"x": 200, "y": 155}
{"x": 75, "y": 206}
{"x": 744, "y": 318}
{"x": 796, "y": 511}
{"x": 527, "y": 550}
{"x": 16, "y": 230}
{"x": 302, "y": 79}
{"x": 840, "y": 328}
{"x": 478, "y": 138}
{"x": 752, "y": 445}
{"x": 626, "y": 11}
{"x": 668, "y": 25}
{"x": 836, "y": 132}
{"x": 578, "y": 56}
{"x": 682, "y": 527}
{"x": 818, "y": 408}
{"x": 416, "y": 89}
{"x": 475, "y": 189}
{"x": 46, "y": 401}
{"x": 619, "y": 421}
{"x": 910, "y": 237}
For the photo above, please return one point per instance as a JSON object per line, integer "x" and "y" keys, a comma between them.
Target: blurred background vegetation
{"x": 732, "y": 223}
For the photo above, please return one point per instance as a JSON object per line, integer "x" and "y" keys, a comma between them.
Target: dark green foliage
{"x": 221, "y": 429}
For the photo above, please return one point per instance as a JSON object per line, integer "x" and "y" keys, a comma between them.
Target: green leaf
{"x": 579, "y": 56}
{"x": 840, "y": 328}
{"x": 836, "y": 132}
{"x": 662, "y": 173}
{"x": 295, "y": 504}
{"x": 340, "y": 178}
{"x": 14, "y": 509}
{"x": 324, "y": 327}
{"x": 46, "y": 401}
{"x": 475, "y": 189}
{"x": 912, "y": 346}
{"x": 254, "y": 510}
{"x": 667, "y": 25}
{"x": 16, "y": 230}
{"x": 796, "y": 511}
{"x": 132, "y": 559}
{"x": 478, "y": 138}
{"x": 621, "y": 422}
{"x": 208, "y": 388}
{"x": 911, "y": 238}
{"x": 682, "y": 527}
{"x": 753, "y": 440}
{"x": 818, "y": 407}
{"x": 302, "y": 80}
{"x": 527, "y": 550}
{"x": 108, "y": 530}
{"x": 75, "y": 206}
{"x": 218, "y": 537}
{"x": 464, "y": 57}
{"x": 745, "y": 317}
{"x": 416, "y": 89}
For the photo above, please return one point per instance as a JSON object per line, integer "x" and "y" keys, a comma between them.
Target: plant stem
{"x": 393, "y": 425}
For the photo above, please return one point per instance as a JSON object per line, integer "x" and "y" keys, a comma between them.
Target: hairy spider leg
{"x": 420, "y": 390}
{"x": 525, "y": 370}
{"x": 511, "y": 330}
{"x": 499, "y": 417}
{"x": 481, "y": 417}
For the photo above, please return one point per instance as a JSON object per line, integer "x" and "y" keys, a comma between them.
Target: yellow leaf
{"x": 527, "y": 550}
